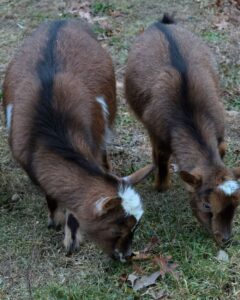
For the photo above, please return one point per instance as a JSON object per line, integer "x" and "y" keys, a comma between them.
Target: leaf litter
{"x": 161, "y": 265}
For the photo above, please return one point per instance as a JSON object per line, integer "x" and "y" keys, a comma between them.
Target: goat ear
{"x": 104, "y": 205}
{"x": 139, "y": 175}
{"x": 236, "y": 172}
{"x": 192, "y": 178}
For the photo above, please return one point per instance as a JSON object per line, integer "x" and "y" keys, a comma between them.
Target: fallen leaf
{"x": 141, "y": 256}
{"x": 99, "y": 19}
{"x": 157, "y": 295}
{"x": 123, "y": 278}
{"x": 115, "y": 13}
{"x": 132, "y": 278}
{"x": 166, "y": 265}
{"x": 138, "y": 269}
{"x": 150, "y": 245}
{"x": 222, "y": 256}
{"x": 83, "y": 10}
{"x": 105, "y": 25}
{"x": 144, "y": 253}
{"x": 139, "y": 283}
{"x": 221, "y": 25}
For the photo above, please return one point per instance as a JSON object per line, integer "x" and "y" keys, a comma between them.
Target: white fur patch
{"x": 104, "y": 106}
{"x": 9, "y": 115}
{"x": 131, "y": 202}
{"x": 100, "y": 203}
{"x": 229, "y": 187}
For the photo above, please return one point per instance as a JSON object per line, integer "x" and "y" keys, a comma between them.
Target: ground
{"x": 33, "y": 264}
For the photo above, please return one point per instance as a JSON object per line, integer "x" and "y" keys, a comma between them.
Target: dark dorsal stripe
{"x": 187, "y": 110}
{"x": 50, "y": 126}
{"x": 177, "y": 60}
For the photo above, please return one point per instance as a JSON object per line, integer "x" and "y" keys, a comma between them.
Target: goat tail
{"x": 168, "y": 19}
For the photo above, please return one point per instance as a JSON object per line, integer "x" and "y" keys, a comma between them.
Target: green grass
{"x": 231, "y": 83}
{"x": 101, "y": 8}
{"x": 212, "y": 36}
{"x": 33, "y": 264}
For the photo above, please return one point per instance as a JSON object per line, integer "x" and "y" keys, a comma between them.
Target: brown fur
{"x": 163, "y": 101}
{"x": 85, "y": 71}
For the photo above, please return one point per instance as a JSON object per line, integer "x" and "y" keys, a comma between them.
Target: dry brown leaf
{"x": 150, "y": 245}
{"x": 166, "y": 265}
{"x": 123, "y": 277}
{"x": 138, "y": 269}
{"x": 115, "y": 13}
{"x": 139, "y": 283}
{"x": 223, "y": 24}
{"x": 141, "y": 256}
{"x": 156, "y": 294}
{"x": 83, "y": 10}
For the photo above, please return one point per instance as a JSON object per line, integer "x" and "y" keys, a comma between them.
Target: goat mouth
{"x": 120, "y": 257}
{"x": 222, "y": 242}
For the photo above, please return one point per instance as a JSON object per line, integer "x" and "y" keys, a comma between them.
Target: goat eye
{"x": 206, "y": 205}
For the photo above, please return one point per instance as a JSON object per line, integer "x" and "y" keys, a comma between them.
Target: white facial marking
{"x": 131, "y": 202}
{"x": 229, "y": 187}
{"x": 9, "y": 115}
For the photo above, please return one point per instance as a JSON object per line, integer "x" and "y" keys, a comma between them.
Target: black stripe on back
{"x": 188, "y": 109}
{"x": 47, "y": 67}
{"x": 50, "y": 126}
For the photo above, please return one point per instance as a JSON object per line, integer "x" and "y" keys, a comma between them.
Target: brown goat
{"x": 60, "y": 103}
{"x": 171, "y": 85}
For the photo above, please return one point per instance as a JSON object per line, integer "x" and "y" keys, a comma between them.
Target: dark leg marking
{"x": 56, "y": 216}
{"x": 72, "y": 235}
{"x": 161, "y": 160}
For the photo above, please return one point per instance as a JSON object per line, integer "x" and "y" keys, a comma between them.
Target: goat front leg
{"x": 56, "y": 215}
{"x": 161, "y": 161}
{"x": 72, "y": 235}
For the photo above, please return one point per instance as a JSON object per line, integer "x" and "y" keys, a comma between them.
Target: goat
{"x": 60, "y": 104}
{"x": 171, "y": 85}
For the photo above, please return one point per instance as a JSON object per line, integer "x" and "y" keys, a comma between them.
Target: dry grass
{"x": 33, "y": 264}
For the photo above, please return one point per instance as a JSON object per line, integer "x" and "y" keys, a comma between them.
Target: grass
{"x": 213, "y": 37}
{"x": 33, "y": 264}
{"x": 102, "y": 8}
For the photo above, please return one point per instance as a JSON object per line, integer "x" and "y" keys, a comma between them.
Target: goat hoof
{"x": 162, "y": 187}
{"x": 52, "y": 225}
{"x": 72, "y": 247}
